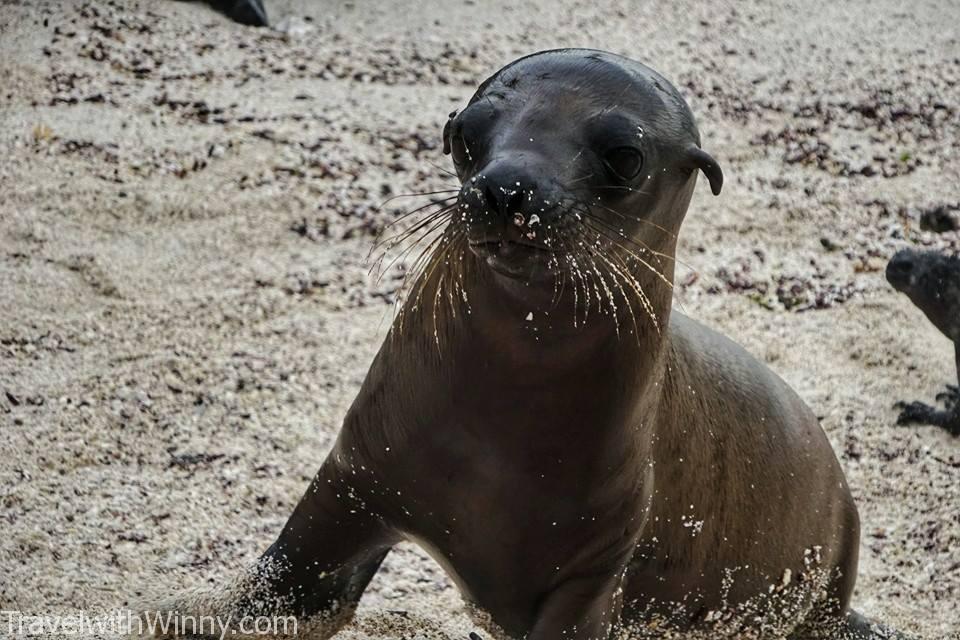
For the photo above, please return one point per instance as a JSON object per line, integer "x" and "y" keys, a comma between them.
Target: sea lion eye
{"x": 624, "y": 162}
{"x": 459, "y": 150}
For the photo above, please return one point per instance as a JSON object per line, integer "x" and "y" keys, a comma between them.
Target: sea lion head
{"x": 932, "y": 282}
{"x": 564, "y": 151}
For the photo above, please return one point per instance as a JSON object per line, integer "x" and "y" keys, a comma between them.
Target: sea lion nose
{"x": 508, "y": 190}
{"x": 900, "y": 268}
{"x": 503, "y": 200}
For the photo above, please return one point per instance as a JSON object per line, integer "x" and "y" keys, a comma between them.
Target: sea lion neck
{"x": 533, "y": 326}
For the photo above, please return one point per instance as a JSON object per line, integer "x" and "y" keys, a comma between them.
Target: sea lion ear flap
{"x": 446, "y": 132}
{"x": 702, "y": 160}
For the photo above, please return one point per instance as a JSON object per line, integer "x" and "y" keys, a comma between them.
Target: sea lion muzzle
{"x": 512, "y": 212}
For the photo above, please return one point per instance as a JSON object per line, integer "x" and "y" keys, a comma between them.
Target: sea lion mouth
{"x": 512, "y": 258}
{"x": 499, "y": 244}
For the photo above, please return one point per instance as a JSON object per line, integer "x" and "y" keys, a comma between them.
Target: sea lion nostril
{"x": 507, "y": 197}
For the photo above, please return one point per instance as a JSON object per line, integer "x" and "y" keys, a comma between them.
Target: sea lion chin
{"x": 577, "y": 456}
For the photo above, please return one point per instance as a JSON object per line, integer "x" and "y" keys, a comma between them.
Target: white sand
{"x": 157, "y": 305}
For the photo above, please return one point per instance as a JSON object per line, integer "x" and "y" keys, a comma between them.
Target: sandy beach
{"x": 187, "y": 206}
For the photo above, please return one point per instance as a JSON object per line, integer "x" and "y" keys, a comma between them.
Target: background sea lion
{"x": 932, "y": 282}
{"x": 575, "y": 454}
{"x": 248, "y": 12}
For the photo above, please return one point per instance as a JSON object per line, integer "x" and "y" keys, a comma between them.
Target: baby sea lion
{"x": 583, "y": 461}
{"x": 932, "y": 282}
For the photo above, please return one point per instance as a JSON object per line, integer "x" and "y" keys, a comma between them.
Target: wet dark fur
{"x": 575, "y": 454}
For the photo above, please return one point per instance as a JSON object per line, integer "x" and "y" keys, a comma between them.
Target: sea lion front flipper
{"x": 579, "y": 609}
{"x": 315, "y": 572}
{"x": 327, "y": 553}
{"x": 915, "y": 413}
{"x": 920, "y": 413}
{"x": 850, "y": 626}
{"x": 950, "y": 397}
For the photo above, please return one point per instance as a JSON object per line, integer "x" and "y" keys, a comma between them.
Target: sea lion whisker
{"x": 575, "y": 273}
{"x": 570, "y": 271}
{"x": 597, "y": 203}
{"x": 423, "y": 258}
{"x": 558, "y": 276}
{"x": 624, "y": 271}
{"x": 639, "y": 244}
{"x": 585, "y": 216}
{"x": 441, "y": 169}
{"x": 574, "y": 159}
{"x": 426, "y": 227}
{"x": 451, "y": 289}
{"x": 419, "y": 194}
{"x": 615, "y": 271}
{"x": 586, "y": 207}
{"x": 445, "y": 202}
{"x": 586, "y": 273}
{"x": 427, "y": 221}
{"x": 387, "y": 244}
{"x": 632, "y": 254}
{"x": 426, "y": 262}
{"x": 442, "y": 203}
{"x": 577, "y": 259}
{"x": 411, "y": 290}
{"x": 589, "y": 175}
{"x": 638, "y": 287}
{"x": 633, "y": 316}
{"x": 432, "y": 256}
{"x": 455, "y": 270}
{"x": 436, "y": 304}
{"x": 591, "y": 271}
{"x": 611, "y": 302}
{"x": 621, "y": 270}
{"x": 561, "y": 275}
{"x": 621, "y": 187}
{"x": 635, "y": 219}
{"x": 440, "y": 257}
